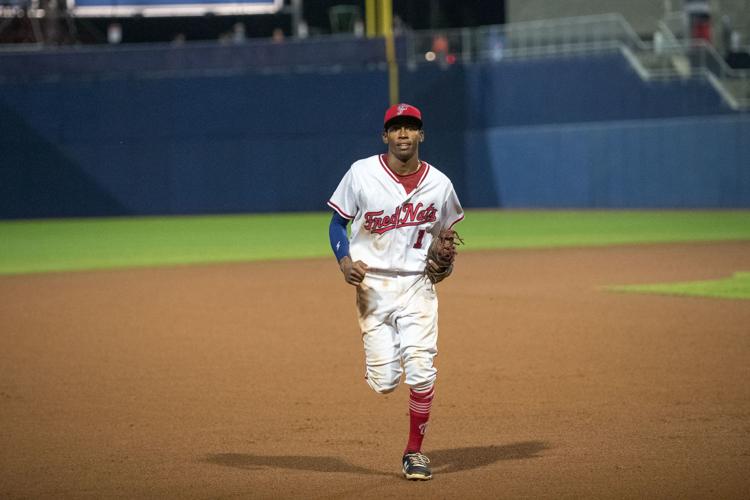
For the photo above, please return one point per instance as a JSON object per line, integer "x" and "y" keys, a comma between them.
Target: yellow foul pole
{"x": 386, "y": 29}
{"x": 371, "y": 16}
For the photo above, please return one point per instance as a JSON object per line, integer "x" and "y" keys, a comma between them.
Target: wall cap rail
{"x": 669, "y": 56}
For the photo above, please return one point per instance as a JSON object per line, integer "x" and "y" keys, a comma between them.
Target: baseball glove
{"x": 441, "y": 255}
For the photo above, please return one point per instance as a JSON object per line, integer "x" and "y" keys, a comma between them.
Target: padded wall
{"x": 550, "y": 132}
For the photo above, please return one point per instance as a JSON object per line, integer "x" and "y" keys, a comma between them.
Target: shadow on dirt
{"x": 317, "y": 464}
{"x": 444, "y": 461}
{"x": 461, "y": 459}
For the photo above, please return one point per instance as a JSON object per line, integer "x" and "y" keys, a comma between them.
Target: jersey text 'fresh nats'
{"x": 394, "y": 217}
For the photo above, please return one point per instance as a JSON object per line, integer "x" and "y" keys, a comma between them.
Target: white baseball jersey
{"x": 392, "y": 226}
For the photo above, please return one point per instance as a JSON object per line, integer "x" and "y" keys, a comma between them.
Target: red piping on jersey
{"x": 426, "y": 169}
{"x": 338, "y": 209}
{"x": 422, "y": 164}
{"x": 456, "y": 221}
{"x": 385, "y": 167}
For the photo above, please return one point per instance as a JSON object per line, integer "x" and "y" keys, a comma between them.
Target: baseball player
{"x": 396, "y": 204}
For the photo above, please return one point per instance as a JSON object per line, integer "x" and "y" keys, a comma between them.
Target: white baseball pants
{"x": 398, "y": 315}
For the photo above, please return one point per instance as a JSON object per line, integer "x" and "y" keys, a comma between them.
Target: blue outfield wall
{"x": 574, "y": 132}
{"x": 659, "y": 163}
{"x": 190, "y": 145}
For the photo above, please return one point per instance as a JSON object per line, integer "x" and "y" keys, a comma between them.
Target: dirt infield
{"x": 246, "y": 381}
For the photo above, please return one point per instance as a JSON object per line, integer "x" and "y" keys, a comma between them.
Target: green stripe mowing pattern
{"x": 29, "y": 246}
{"x": 553, "y": 229}
{"x": 736, "y": 286}
{"x": 80, "y": 244}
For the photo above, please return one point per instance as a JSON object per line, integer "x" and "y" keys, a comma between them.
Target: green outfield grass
{"x": 735, "y": 287}
{"x": 81, "y": 244}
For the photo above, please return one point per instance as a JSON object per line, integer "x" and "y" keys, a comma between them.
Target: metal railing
{"x": 702, "y": 58}
{"x": 517, "y": 40}
{"x": 676, "y": 25}
{"x": 672, "y": 54}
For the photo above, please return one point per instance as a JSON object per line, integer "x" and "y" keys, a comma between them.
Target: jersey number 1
{"x": 420, "y": 237}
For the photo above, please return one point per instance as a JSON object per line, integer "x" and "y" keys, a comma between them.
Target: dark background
{"x": 415, "y": 14}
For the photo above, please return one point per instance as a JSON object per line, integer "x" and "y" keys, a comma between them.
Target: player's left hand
{"x": 441, "y": 255}
{"x": 434, "y": 269}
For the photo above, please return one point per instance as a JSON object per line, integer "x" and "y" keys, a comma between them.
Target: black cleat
{"x": 415, "y": 467}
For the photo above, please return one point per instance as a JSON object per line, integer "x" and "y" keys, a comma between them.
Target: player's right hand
{"x": 354, "y": 272}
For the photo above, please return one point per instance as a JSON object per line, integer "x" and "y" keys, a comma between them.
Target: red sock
{"x": 420, "y": 404}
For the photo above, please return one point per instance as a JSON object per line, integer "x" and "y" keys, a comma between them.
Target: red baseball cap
{"x": 402, "y": 110}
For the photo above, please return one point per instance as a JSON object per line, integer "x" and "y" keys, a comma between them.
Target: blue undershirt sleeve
{"x": 338, "y": 237}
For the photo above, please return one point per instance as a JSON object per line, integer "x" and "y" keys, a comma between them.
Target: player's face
{"x": 403, "y": 138}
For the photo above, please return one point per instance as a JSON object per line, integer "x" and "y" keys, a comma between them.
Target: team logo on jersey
{"x": 405, "y": 215}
